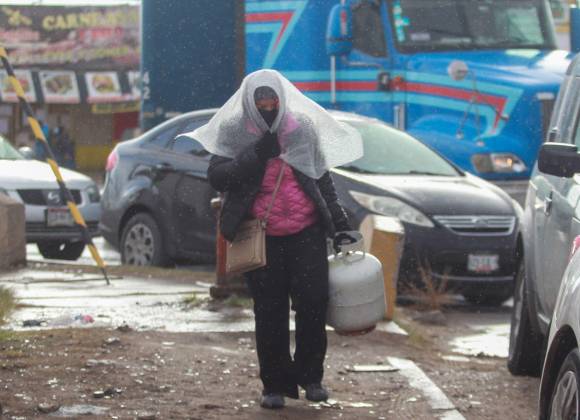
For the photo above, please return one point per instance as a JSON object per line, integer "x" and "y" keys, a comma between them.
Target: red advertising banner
{"x": 63, "y": 37}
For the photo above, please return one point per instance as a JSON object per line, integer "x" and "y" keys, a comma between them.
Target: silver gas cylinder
{"x": 356, "y": 290}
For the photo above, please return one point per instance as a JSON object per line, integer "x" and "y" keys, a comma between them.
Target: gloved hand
{"x": 267, "y": 147}
{"x": 342, "y": 238}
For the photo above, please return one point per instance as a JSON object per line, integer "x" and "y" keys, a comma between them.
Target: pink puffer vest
{"x": 293, "y": 210}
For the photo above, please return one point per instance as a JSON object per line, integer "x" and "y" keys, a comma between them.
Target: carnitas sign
{"x": 71, "y": 37}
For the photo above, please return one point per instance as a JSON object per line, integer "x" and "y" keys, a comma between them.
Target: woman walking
{"x": 273, "y": 147}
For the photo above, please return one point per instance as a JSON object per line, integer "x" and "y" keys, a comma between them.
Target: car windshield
{"x": 7, "y": 152}
{"x": 471, "y": 24}
{"x": 388, "y": 151}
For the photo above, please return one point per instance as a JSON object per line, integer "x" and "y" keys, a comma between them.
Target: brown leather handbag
{"x": 247, "y": 251}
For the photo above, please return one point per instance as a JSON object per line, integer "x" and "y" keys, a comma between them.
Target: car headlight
{"x": 498, "y": 162}
{"x": 93, "y": 193}
{"x": 392, "y": 207}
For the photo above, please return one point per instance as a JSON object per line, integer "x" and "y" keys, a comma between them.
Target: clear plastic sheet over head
{"x": 311, "y": 140}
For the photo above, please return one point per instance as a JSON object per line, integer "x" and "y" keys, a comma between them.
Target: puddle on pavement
{"x": 492, "y": 342}
{"x": 487, "y": 332}
{"x": 68, "y": 298}
{"x": 56, "y": 299}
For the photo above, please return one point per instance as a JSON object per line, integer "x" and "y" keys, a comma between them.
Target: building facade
{"x": 79, "y": 67}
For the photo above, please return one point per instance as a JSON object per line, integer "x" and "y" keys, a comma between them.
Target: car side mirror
{"x": 559, "y": 159}
{"x": 339, "y": 31}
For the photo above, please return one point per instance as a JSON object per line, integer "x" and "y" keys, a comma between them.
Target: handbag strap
{"x": 278, "y": 183}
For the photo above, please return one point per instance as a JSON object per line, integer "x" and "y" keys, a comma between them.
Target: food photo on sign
{"x": 103, "y": 86}
{"x": 7, "y": 90}
{"x": 59, "y": 86}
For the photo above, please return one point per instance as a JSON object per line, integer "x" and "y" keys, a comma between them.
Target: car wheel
{"x": 142, "y": 242}
{"x": 525, "y": 345}
{"x": 61, "y": 250}
{"x": 493, "y": 297}
{"x": 564, "y": 403}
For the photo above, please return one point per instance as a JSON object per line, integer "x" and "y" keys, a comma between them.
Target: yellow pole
{"x": 50, "y": 159}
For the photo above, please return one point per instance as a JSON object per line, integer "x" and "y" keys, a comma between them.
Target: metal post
{"x": 51, "y": 160}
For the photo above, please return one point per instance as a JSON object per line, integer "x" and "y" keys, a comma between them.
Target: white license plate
{"x": 482, "y": 263}
{"x": 59, "y": 217}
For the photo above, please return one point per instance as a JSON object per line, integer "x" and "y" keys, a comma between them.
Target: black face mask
{"x": 269, "y": 116}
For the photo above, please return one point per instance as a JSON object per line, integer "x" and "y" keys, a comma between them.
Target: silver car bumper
{"x": 37, "y": 229}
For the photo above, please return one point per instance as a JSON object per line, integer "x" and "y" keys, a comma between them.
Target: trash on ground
{"x": 124, "y": 328}
{"x": 328, "y": 404}
{"x": 93, "y": 362}
{"x": 360, "y": 405}
{"x": 451, "y": 358}
{"x": 32, "y": 323}
{"x": 112, "y": 341}
{"x": 47, "y": 408}
{"x": 371, "y": 368}
{"x": 80, "y": 410}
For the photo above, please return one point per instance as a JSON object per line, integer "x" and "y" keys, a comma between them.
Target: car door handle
{"x": 548, "y": 205}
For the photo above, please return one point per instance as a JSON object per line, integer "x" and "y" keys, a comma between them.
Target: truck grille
{"x": 479, "y": 225}
{"x": 41, "y": 197}
{"x": 36, "y": 227}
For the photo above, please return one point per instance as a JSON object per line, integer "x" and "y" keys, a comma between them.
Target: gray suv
{"x": 551, "y": 222}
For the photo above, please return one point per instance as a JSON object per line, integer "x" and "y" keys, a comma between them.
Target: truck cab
{"x": 475, "y": 80}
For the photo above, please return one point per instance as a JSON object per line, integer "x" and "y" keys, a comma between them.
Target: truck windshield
{"x": 428, "y": 25}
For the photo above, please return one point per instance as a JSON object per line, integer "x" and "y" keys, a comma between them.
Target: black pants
{"x": 297, "y": 269}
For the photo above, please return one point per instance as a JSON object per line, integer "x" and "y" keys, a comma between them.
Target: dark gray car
{"x": 156, "y": 205}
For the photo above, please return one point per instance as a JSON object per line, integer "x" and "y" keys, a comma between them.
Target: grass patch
{"x": 193, "y": 300}
{"x": 6, "y": 335}
{"x": 7, "y": 304}
{"x": 432, "y": 294}
{"x": 416, "y": 334}
{"x": 238, "y": 301}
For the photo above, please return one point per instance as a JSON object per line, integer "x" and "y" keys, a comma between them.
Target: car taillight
{"x": 575, "y": 246}
{"x": 112, "y": 161}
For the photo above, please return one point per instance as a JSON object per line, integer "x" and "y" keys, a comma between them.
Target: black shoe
{"x": 315, "y": 392}
{"x": 272, "y": 401}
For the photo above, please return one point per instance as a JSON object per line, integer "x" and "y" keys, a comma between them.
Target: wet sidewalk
{"x": 70, "y": 296}
{"x": 210, "y": 375}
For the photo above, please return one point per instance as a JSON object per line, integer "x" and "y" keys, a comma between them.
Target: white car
{"x": 49, "y": 224}
{"x": 560, "y": 386}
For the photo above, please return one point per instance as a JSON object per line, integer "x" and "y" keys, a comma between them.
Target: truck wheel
{"x": 526, "y": 345}
{"x": 58, "y": 250}
{"x": 564, "y": 403}
{"x": 142, "y": 242}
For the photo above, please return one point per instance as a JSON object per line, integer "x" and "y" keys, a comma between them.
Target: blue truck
{"x": 474, "y": 79}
